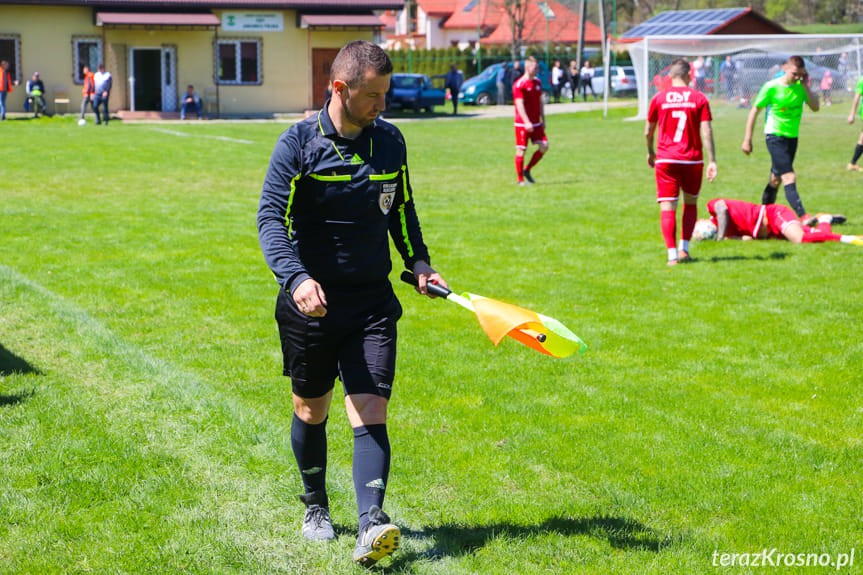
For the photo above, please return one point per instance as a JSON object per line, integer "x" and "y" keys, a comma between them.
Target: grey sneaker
{"x": 379, "y": 539}
{"x": 316, "y": 524}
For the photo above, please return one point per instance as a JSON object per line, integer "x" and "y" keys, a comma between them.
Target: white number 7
{"x": 681, "y": 124}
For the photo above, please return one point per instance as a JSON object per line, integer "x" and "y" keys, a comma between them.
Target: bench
{"x": 61, "y": 98}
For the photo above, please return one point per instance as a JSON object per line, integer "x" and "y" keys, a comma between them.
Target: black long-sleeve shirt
{"x": 328, "y": 203}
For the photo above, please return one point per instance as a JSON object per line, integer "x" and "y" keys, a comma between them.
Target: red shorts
{"x": 537, "y": 136}
{"x": 778, "y": 218}
{"x": 671, "y": 178}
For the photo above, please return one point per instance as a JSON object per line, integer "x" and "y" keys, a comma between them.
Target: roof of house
{"x": 169, "y": 5}
{"x": 468, "y": 13}
{"x": 696, "y": 22}
{"x": 155, "y": 19}
{"x": 563, "y": 28}
{"x": 389, "y": 18}
{"x": 437, "y": 7}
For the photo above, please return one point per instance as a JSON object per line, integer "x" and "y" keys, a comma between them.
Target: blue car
{"x": 482, "y": 89}
{"x": 414, "y": 92}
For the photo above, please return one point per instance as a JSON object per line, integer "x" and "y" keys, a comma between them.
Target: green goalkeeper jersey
{"x": 859, "y": 90}
{"x": 784, "y": 107}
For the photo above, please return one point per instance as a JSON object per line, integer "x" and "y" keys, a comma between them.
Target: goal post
{"x": 755, "y": 59}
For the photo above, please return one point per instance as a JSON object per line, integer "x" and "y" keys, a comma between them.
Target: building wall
{"x": 46, "y": 46}
{"x": 750, "y": 25}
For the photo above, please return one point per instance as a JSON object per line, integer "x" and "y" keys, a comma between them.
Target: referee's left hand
{"x": 425, "y": 274}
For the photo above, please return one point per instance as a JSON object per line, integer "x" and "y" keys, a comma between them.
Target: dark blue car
{"x": 414, "y": 92}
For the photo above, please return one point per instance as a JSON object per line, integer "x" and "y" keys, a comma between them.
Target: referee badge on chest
{"x": 388, "y": 194}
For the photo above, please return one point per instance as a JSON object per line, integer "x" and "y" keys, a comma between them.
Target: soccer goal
{"x": 734, "y": 67}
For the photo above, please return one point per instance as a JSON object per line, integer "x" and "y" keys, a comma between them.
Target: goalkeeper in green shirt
{"x": 784, "y": 98}
{"x": 858, "y": 150}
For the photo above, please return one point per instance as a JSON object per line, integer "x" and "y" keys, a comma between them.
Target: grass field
{"x": 144, "y": 423}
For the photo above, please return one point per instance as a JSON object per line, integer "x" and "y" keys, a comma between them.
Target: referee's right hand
{"x": 310, "y": 299}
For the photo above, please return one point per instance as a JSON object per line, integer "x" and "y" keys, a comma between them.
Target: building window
{"x": 88, "y": 52}
{"x": 238, "y": 62}
{"x": 10, "y": 50}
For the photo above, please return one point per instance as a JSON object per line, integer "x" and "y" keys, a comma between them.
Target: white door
{"x": 169, "y": 79}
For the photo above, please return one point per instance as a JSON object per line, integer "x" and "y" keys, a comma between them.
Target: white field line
{"x": 185, "y": 135}
{"x": 196, "y": 395}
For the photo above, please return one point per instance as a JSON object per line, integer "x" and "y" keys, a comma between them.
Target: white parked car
{"x": 622, "y": 82}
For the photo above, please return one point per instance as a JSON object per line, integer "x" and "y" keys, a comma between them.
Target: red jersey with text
{"x": 678, "y": 113}
{"x": 746, "y": 218}
{"x": 531, "y": 92}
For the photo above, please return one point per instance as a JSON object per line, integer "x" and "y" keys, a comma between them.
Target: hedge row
{"x": 437, "y": 61}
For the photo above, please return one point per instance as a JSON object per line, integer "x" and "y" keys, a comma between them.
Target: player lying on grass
{"x": 736, "y": 219}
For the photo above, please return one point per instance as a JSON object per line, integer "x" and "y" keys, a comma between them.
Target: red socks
{"x": 668, "y": 221}
{"x": 690, "y": 216}
{"x": 534, "y": 160}
{"x": 823, "y": 233}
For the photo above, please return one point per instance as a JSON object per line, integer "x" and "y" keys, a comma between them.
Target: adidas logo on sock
{"x": 376, "y": 484}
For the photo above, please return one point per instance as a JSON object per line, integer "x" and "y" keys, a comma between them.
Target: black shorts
{"x": 782, "y": 151}
{"x": 355, "y": 341}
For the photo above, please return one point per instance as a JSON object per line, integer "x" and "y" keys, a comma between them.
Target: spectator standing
{"x": 587, "y": 80}
{"x": 514, "y": 75}
{"x": 103, "y": 82}
{"x": 500, "y": 80}
{"x": 454, "y": 80}
{"x": 699, "y": 72}
{"x": 827, "y": 88}
{"x": 842, "y": 72}
{"x": 6, "y": 84}
{"x": 728, "y": 70}
{"x": 574, "y": 78}
{"x": 87, "y": 90}
{"x": 557, "y": 80}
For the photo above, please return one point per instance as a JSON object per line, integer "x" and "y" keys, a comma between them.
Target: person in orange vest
{"x": 6, "y": 84}
{"x": 88, "y": 90}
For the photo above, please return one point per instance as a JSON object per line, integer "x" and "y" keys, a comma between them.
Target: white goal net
{"x": 735, "y": 67}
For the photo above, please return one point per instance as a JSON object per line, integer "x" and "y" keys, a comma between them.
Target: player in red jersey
{"x": 737, "y": 219}
{"x": 529, "y": 120}
{"x": 682, "y": 117}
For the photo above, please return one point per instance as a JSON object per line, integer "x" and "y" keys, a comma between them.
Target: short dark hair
{"x": 679, "y": 68}
{"x": 355, "y": 59}
{"x": 796, "y": 61}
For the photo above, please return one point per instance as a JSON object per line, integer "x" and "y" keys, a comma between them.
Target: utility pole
{"x": 582, "y": 13}
{"x": 409, "y": 28}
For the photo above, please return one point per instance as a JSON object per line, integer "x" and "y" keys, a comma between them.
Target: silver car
{"x": 622, "y": 82}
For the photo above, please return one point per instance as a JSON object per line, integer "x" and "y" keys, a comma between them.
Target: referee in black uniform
{"x": 337, "y": 185}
